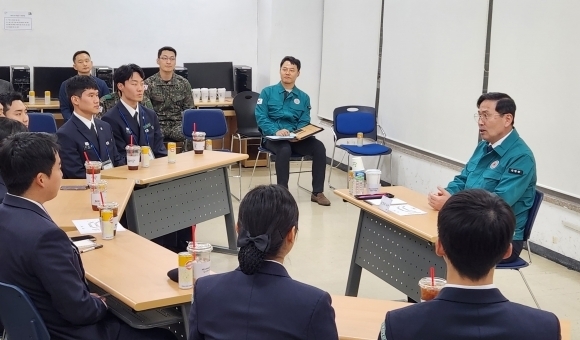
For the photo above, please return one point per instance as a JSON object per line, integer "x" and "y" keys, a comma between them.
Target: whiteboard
{"x": 130, "y": 31}
{"x": 432, "y": 74}
{"x": 350, "y": 54}
{"x": 535, "y": 58}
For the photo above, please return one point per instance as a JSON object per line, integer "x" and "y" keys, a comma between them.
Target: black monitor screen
{"x": 211, "y": 75}
{"x": 50, "y": 78}
{"x": 5, "y": 73}
{"x": 149, "y": 71}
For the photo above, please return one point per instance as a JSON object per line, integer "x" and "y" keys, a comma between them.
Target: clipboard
{"x": 300, "y": 134}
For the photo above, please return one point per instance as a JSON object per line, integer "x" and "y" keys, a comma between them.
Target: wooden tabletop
{"x": 134, "y": 270}
{"x": 361, "y": 319}
{"x": 39, "y": 104}
{"x": 424, "y": 226}
{"x": 71, "y": 205}
{"x": 187, "y": 163}
{"x": 227, "y": 102}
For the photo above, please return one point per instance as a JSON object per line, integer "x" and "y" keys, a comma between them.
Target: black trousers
{"x": 307, "y": 147}
{"x": 517, "y": 247}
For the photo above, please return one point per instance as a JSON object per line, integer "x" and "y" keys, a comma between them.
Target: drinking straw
{"x": 92, "y": 168}
{"x": 432, "y": 273}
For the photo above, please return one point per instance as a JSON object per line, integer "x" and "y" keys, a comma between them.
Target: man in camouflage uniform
{"x": 170, "y": 94}
{"x": 108, "y": 101}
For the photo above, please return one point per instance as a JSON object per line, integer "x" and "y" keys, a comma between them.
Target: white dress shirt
{"x": 498, "y": 143}
{"x": 87, "y": 122}
{"x": 132, "y": 111}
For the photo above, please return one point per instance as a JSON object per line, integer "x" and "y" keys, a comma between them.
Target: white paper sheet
{"x": 394, "y": 201}
{"x": 92, "y": 226}
{"x": 406, "y": 210}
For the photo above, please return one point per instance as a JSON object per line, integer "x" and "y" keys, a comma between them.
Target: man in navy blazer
{"x": 128, "y": 118}
{"x": 475, "y": 229}
{"x": 8, "y": 127}
{"x": 37, "y": 255}
{"x": 82, "y": 134}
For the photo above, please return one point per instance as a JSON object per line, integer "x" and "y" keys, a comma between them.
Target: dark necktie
{"x": 136, "y": 117}
{"x": 489, "y": 148}
{"x": 94, "y": 131}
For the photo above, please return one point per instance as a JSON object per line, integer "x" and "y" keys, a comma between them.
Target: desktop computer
{"x": 211, "y": 75}
{"x": 104, "y": 73}
{"x": 149, "y": 71}
{"x": 20, "y": 75}
{"x": 5, "y": 73}
{"x": 50, "y": 79}
{"x": 242, "y": 79}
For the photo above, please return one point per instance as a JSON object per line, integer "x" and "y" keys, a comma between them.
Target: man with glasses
{"x": 170, "y": 95}
{"x": 502, "y": 163}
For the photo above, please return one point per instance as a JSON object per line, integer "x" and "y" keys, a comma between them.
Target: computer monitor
{"x": 149, "y": 71}
{"x": 5, "y": 73}
{"x": 49, "y": 79}
{"x": 219, "y": 74}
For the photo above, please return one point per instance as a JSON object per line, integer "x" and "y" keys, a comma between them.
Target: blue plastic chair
{"x": 348, "y": 122}
{"x": 521, "y": 263}
{"x": 19, "y": 316}
{"x": 41, "y": 122}
{"x": 213, "y": 123}
{"x": 269, "y": 153}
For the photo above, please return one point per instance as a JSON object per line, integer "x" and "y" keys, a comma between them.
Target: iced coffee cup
{"x": 114, "y": 206}
{"x": 98, "y": 193}
{"x": 201, "y": 258}
{"x": 93, "y": 171}
{"x": 429, "y": 290}
{"x": 133, "y": 156}
{"x": 198, "y": 141}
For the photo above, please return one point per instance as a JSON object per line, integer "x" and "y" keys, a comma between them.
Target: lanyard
{"x": 91, "y": 146}
{"x": 131, "y": 131}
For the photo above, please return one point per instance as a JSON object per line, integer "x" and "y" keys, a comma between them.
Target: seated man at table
{"x": 38, "y": 256}
{"x": 14, "y": 108}
{"x": 109, "y": 101}
{"x": 83, "y": 64}
{"x": 131, "y": 122}
{"x": 82, "y": 136}
{"x": 282, "y": 109}
{"x": 475, "y": 229}
{"x": 8, "y": 127}
{"x": 502, "y": 163}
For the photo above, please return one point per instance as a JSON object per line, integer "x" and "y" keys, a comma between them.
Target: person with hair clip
{"x": 259, "y": 300}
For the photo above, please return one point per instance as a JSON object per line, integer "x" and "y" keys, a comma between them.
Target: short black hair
{"x": 25, "y": 155}
{"x": 504, "y": 103}
{"x": 475, "y": 228}
{"x": 76, "y": 85}
{"x": 292, "y": 61}
{"x": 8, "y": 127}
{"x": 80, "y": 52}
{"x": 7, "y": 99}
{"x": 270, "y": 210}
{"x": 166, "y": 48}
{"x": 125, "y": 72}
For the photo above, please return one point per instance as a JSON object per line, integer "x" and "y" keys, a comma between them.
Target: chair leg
{"x": 240, "y": 177}
{"x": 300, "y": 173}
{"x": 530, "y": 290}
{"x": 269, "y": 167}
{"x": 529, "y": 250}
{"x": 391, "y": 169}
{"x": 331, "y": 166}
{"x": 255, "y": 163}
{"x": 347, "y": 168}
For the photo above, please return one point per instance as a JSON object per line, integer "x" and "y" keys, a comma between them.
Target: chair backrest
{"x": 41, "y": 122}
{"x": 19, "y": 316}
{"x": 245, "y": 107}
{"x": 352, "y": 119}
{"x": 210, "y": 121}
{"x": 538, "y": 198}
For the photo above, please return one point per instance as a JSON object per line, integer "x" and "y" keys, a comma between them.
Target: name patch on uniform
{"x": 296, "y": 101}
{"x": 146, "y": 126}
{"x": 516, "y": 171}
{"x": 259, "y": 101}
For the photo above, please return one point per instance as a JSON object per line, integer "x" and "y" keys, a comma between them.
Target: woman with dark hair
{"x": 8, "y": 127}
{"x": 259, "y": 300}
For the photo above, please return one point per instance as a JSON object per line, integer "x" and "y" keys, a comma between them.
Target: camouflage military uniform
{"x": 110, "y": 100}
{"x": 170, "y": 99}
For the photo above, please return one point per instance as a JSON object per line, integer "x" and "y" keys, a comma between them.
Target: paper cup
{"x": 221, "y": 94}
{"x": 196, "y": 94}
{"x": 212, "y": 95}
{"x": 357, "y": 164}
{"x": 204, "y": 94}
{"x": 373, "y": 180}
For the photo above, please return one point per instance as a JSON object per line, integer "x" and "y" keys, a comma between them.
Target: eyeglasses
{"x": 484, "y": 116}
{"x": 167, "y": 58}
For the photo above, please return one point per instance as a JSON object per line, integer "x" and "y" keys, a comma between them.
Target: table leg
{"x": 230, "y": 222}
{"x": 185, "y": 309}
{"x": 355, "y": 271}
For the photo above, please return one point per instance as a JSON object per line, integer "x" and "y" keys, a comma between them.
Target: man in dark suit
{"x": 475, "y": 230}
{"x": 37, "y": 255}
{"x": 8, "y": 127}
{"x": 82, "y": 134}
{"x": 128, "y": 118}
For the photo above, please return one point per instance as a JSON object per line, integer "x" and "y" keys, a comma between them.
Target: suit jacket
{"x": 266, "y": 305}
{"x": 33, "y": 250}
{"x": 3, "y": 189}
{"x": 147, "y": 133}
{"x": 72, "y": 137}
{"x": 464, "y": 314}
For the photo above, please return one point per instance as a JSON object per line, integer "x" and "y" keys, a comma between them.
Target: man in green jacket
{"x": 502, "y": 163}
{"x": 282, "y": 109}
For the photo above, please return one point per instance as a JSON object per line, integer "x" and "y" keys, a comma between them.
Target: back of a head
{"x": 76, "y": 85}
{"x": 475, "y": 228}
{"x": 25, "y": 155}
{"x": 8, "y": 127}
{"x": 266, "y": 216}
